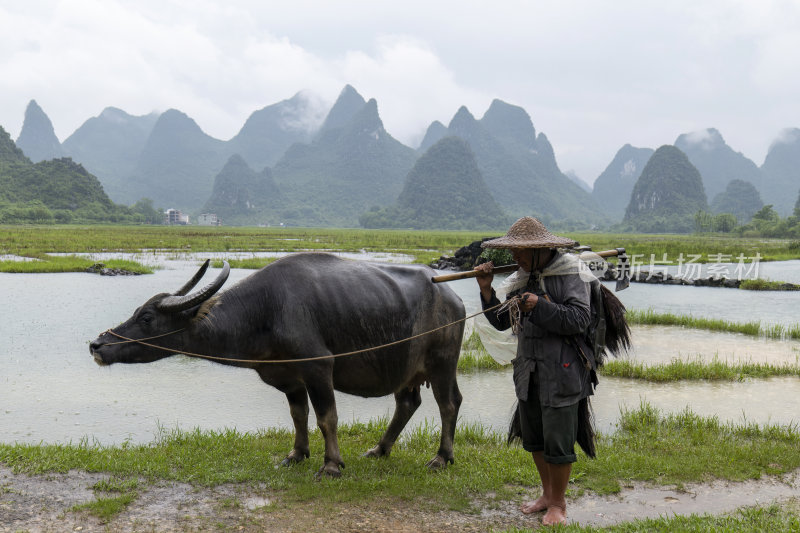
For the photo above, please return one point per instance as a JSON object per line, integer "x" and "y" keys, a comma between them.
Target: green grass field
{"x": 424, "y": 246}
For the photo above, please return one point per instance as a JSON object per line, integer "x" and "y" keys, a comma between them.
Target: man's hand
{"x": 529, "y": 301}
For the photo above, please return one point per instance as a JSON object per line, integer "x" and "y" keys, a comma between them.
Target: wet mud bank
{"x": 46, "y": 502}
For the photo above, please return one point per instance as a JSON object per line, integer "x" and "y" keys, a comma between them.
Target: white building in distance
{"x": 208, "y": 219}
{"x": 174, "y": 217}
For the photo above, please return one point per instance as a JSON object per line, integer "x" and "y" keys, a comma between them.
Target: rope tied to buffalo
{"x": 126, "y": 340}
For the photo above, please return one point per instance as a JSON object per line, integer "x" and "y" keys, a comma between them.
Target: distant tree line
{"x": 36, "y": 212}
{"x": 766, "y": 222}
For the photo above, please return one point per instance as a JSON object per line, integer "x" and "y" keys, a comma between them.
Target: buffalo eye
{"x": 146, "y": 318}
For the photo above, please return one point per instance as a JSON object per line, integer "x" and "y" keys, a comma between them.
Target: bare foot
{"x": 556, "y": 514}
{"x": 536, "y": 506}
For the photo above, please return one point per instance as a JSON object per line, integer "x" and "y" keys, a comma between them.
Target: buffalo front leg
{"x": 449, "y": 399}
{"x": 406, "y": 403}
{"x": 324, "y": 403}
{"x": 298, "y": 407}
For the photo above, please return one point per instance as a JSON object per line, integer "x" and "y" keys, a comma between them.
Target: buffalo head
{"x": 161, "y": 320}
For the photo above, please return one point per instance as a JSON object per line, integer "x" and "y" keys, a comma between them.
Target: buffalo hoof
{"x": 329, "y": 470}
{"x": 377, "y": 451}
{"x": 439, "y": 462}
{"x": 293, "y": 458}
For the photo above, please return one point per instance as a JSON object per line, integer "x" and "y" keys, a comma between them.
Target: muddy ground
{"x": 45, "y": 503}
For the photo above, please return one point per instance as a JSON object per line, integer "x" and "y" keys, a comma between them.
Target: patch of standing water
{"x": 661, "y": 344}
{"x": 642, "y": 501}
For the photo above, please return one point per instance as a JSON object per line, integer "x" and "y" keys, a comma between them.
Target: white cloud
{"x": 412, "y": 86}
{"x": 788, "y": 136}
{"x": 701, "y": 137}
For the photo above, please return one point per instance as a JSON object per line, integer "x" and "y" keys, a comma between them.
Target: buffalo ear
{"x": 178, "y": 303}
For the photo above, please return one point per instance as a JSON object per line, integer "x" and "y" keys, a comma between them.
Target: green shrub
{"x": 498, "y": 256}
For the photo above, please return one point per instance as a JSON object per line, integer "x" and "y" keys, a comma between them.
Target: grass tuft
{"x": 50, "y": 264}
{"x": 696, "y": 369}
{"x": 107, "y": 508}
{"x": 767, "y": 285}
{"x": 475, "y": 357}
{"x": 650, "y": 317}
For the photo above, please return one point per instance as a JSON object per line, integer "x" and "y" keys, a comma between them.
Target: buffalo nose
{"x": 95, "y": 345}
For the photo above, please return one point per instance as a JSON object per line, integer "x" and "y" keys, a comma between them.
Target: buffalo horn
{"x": 192, "y": 282}
{"x": 176, "y": 304}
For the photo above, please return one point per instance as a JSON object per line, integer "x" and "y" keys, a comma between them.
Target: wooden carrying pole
{"x": 472, "y": 273}
{"x": 508, "y": 268}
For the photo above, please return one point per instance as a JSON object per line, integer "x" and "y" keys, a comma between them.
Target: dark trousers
{"x": 552, "y": 430}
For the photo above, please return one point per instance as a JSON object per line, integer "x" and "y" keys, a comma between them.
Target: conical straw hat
{"x": 528, "y": 232}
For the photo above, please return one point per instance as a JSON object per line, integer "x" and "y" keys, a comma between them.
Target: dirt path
{"x": 43, "y": 503}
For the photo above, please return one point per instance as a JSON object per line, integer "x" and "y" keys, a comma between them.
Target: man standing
{"x": 554, "y": 369}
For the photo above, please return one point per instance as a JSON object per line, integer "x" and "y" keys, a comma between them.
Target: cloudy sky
{"x": 592, "y": 75}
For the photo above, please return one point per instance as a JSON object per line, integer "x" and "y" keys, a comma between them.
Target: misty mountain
{"x": 242, "y": 196}
{"x": 520, "y": 169}
{"x": 667, "y": 195}
{"x": 177, "y": 165}
{"x": 58, "y": 183}
{"x": 269, "y": 132}
{"x": 170, "y": 159}
{"x": 50, "y": 190}
{"x": 37, "y": 139}
{"x": 740, "y": 198}
{"x": 716, "y": 161}
{"x": 444, "y": 190}
{"x": 109, "y": 146}
{"x": 347, "y": 105}
{"x": 612, "y": 189}
{"x": 578, "y": 181}
{"x": 781, "y": 172}
{"x": 10, "y": 154}
{"x": 435, "y": 133}
{"x": 350, "y": 166}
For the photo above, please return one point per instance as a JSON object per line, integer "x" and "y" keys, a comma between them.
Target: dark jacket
{"x": 552, "y": 341}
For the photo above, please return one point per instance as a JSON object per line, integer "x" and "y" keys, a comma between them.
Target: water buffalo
{"x": 314, "y": 304}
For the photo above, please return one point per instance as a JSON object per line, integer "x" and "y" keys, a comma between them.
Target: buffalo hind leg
{"x": 445, "y": 390}
{"x": 406, "y": 403}
{"x": 298, "y": 407}
{"x": 324, "y": 403}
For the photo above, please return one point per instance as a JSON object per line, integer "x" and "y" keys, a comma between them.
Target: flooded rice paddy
{"x": 52, "y": 391}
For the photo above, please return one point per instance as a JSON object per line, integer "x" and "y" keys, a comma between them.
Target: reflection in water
{"x": 52, "y": 391}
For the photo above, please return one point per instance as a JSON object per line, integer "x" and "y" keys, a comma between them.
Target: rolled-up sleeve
{"x": 501, "y": 321}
